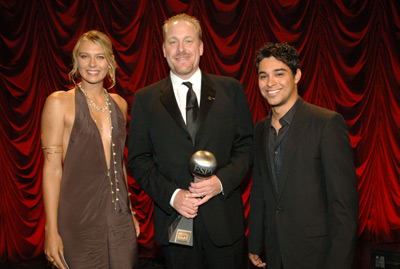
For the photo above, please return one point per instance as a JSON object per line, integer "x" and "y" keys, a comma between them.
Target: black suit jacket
{"x": 312, "y": 221}
{"x": 160, "y": 148}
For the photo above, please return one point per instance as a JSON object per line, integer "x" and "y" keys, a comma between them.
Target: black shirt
{"x": 276, "y": 142}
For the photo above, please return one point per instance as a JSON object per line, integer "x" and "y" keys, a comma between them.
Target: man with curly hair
{"x": 303, "y": 201}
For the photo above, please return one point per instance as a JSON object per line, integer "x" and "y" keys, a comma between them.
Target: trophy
{"x": 202, "y": 165}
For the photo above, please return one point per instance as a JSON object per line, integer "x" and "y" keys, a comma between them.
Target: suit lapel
{"x": 292, "y": 142}
{"x": 206, "y": 100}
{"x": 168, "y": 99}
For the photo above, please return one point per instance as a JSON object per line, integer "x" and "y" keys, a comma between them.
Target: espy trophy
{"x": 202, "y": 165}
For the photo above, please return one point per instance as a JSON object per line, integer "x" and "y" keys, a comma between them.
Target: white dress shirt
{"x": 180, "y": 90}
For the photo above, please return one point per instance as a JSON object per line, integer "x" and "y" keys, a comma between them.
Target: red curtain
{"x": 350, "y": 64}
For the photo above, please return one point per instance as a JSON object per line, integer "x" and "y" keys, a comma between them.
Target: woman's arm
{"x": 52, "y": 127}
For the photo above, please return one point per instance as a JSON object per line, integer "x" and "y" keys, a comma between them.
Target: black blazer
{"x": 159, "y": 149}
{"x": 312, "y": 221}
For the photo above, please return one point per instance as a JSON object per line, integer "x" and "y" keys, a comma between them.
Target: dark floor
{"x": 40, "y": 263}
{"x": 377, "y": 256}
{"x": 367, "y": 256}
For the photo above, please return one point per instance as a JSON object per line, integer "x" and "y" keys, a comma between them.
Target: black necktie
{"x": 192, "y": 108}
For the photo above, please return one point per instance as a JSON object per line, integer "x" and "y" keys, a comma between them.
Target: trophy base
{"x": 181, "y": 231}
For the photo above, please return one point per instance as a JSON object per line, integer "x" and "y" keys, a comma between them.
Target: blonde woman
{"x": 89, "y": 220}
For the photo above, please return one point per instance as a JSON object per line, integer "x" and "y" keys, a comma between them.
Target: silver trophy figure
{"x": 202, "y": 165}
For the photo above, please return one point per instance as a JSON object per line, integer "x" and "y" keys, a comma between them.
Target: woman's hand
{"x": 52, "y": 246}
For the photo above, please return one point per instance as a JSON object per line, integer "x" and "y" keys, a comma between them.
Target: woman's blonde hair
{"x": 103, "y": 42}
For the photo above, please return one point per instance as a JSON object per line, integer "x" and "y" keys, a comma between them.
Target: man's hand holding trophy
{"x": 202, "y": 166}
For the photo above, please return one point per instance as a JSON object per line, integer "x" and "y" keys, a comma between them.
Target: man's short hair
{"x": 182, "y": 17}
{"x": 282, "y": 52}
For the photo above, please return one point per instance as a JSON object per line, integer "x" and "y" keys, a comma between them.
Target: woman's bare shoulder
{"x": 61, "y": 96}
{"x": 60, "y": 102}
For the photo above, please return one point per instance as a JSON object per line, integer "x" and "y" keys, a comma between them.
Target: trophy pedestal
{"x": 181, "y": 231}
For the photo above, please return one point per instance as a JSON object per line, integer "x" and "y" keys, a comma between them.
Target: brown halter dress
{"x": 95, "y": 235}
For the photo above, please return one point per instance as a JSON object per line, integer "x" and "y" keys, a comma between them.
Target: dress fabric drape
{"x": 96, "y": 232}
{"x": 350, "y": 64}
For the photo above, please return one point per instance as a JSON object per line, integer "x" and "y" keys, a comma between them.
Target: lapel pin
{"x": 210, "y": 98}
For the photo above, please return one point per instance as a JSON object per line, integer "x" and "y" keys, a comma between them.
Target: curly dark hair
{"x": 282, "y": 52}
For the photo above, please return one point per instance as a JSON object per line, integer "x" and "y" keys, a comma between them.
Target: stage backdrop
{"x": 350, "y": 64}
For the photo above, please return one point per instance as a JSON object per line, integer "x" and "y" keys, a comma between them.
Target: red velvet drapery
{"x": 350, "y": 63}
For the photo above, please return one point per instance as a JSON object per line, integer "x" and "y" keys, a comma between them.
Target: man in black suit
{"x": 303, "y": 200}
{"x": 163, "y": 137}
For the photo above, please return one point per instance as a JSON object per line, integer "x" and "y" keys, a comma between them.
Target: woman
{"x": 89, "y": 221}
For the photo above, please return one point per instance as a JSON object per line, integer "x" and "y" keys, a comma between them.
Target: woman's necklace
{"x": 93, "y": 104}
{"x": 114, "y": 194}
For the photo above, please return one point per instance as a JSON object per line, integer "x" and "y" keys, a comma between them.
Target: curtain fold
{"x": 350, "y": 62}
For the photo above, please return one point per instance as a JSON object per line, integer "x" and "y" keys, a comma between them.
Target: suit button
{"x": 278, "y": 210}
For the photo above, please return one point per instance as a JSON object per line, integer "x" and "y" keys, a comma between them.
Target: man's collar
{"x": 195, "y": 79}
{"x": 288, "y": 117}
